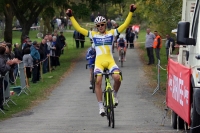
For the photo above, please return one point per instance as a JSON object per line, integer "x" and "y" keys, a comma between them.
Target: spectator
{"x": 62, "y": 41}
{"x": 28, "y": 44}
{"x": 36, "y": 58}
{"x": 53, "y": 23}
{"x": 170, "y": 42}
{"x": 98, "y": 14}
{"x": 70, "y": 24}
{"x": 92, "y": 17}
{"x": 149, "y": 46}
{"x": 10, "y": 55}
{"x": 109, "y": 24}
{"x": 82, "y": 40}
{"x": 62, "y": 22}
{"x": 18, "y": 55}
{"x": 58, "y": 23}
{"x": 76, "y": 38}
{"x": 54, "y": 52}
{"x": 4, "y": 68}
{"x": 44, "y": 47}
{"x": 28, "y": 64}
{"x": 17, "y": 51}
{"x": 128, "y": 31}
{"x": 26, "y": 39}
{"x": 157, "y": 44}
{"x": 57, "y": 51}
{"x": 131, "y": 38}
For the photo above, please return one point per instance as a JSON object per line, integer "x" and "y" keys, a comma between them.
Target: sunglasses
{"x": 98, "y": 25}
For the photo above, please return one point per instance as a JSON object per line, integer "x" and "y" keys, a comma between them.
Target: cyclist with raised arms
{"x": 121, "y": 43}
{"x": 103, "y": 41}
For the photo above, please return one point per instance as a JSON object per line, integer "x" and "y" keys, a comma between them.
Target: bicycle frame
{"x": 108, "y": 88}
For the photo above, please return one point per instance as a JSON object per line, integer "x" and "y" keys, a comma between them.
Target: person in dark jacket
{"x": 10, "y": 55}
{"x": 57, "y": 51}
{"x": 17, "y": 51}
{"x": 82, "y": 40}
{"x": 4, "y": 68}
{"x": 169, "y": 41}
{"x": 18, "y": 55}
{"x": 62, "y": 41}
{"x": 76, "y": 35}
{"x": 44, "y": 48}
{"x": 131, "y": 38}
{"x": 36, "y": 60}
{"x": 28, "y": 44}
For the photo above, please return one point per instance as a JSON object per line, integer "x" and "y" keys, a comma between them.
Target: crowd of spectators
{"x": 44, "y": 54}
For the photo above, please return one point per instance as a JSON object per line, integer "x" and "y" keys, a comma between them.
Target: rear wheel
{"x": 122, "y": 57}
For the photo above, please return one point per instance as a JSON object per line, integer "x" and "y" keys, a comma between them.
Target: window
{"x": 195, "y": 22}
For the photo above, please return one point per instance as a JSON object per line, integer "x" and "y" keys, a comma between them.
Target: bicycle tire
{"x": 93, "y": 82}
{"x": 107, "y": 108}
{"x": 112, "y": 114}
{"x": 122, "y": 57}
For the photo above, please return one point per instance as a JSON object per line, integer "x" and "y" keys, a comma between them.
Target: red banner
{"x": 178, "y": 89}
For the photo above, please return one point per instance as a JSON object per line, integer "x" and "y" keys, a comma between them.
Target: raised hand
{"x": 69, "y": 12}
{"x": 132, "y": 8}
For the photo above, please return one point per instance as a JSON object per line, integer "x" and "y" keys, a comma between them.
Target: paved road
{"x": 72, "y": 107}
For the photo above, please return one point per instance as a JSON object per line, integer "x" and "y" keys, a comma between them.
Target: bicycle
{"x": 108, "y": 98}
{"x": 121, "y": 56}
{"x": 93, "y": 77}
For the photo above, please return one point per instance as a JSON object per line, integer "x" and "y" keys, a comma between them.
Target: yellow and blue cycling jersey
{"x": 103, "y": 44}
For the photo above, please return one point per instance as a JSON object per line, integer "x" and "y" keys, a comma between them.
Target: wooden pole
{"x": 49, "y": 64}
{"x": 41, "y": 71}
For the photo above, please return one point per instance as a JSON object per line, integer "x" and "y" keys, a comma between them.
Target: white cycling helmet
{"x": 121, "y": 36}
{"x": 99, "y": 19}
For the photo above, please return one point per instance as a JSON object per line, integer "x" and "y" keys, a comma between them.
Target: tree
{"x": 160, "y": 15}
{"x": 27, "y": 11}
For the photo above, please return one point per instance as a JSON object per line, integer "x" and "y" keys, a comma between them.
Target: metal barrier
{"x": 158, "y": 77}
{"x": 7, "y": 91}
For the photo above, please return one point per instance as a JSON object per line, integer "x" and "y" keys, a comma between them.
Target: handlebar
{"x": 88, "y": 65}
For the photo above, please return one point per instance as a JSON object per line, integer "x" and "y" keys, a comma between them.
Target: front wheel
{"x": 112, "y": 115}
{"x": 93, "y": 83}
